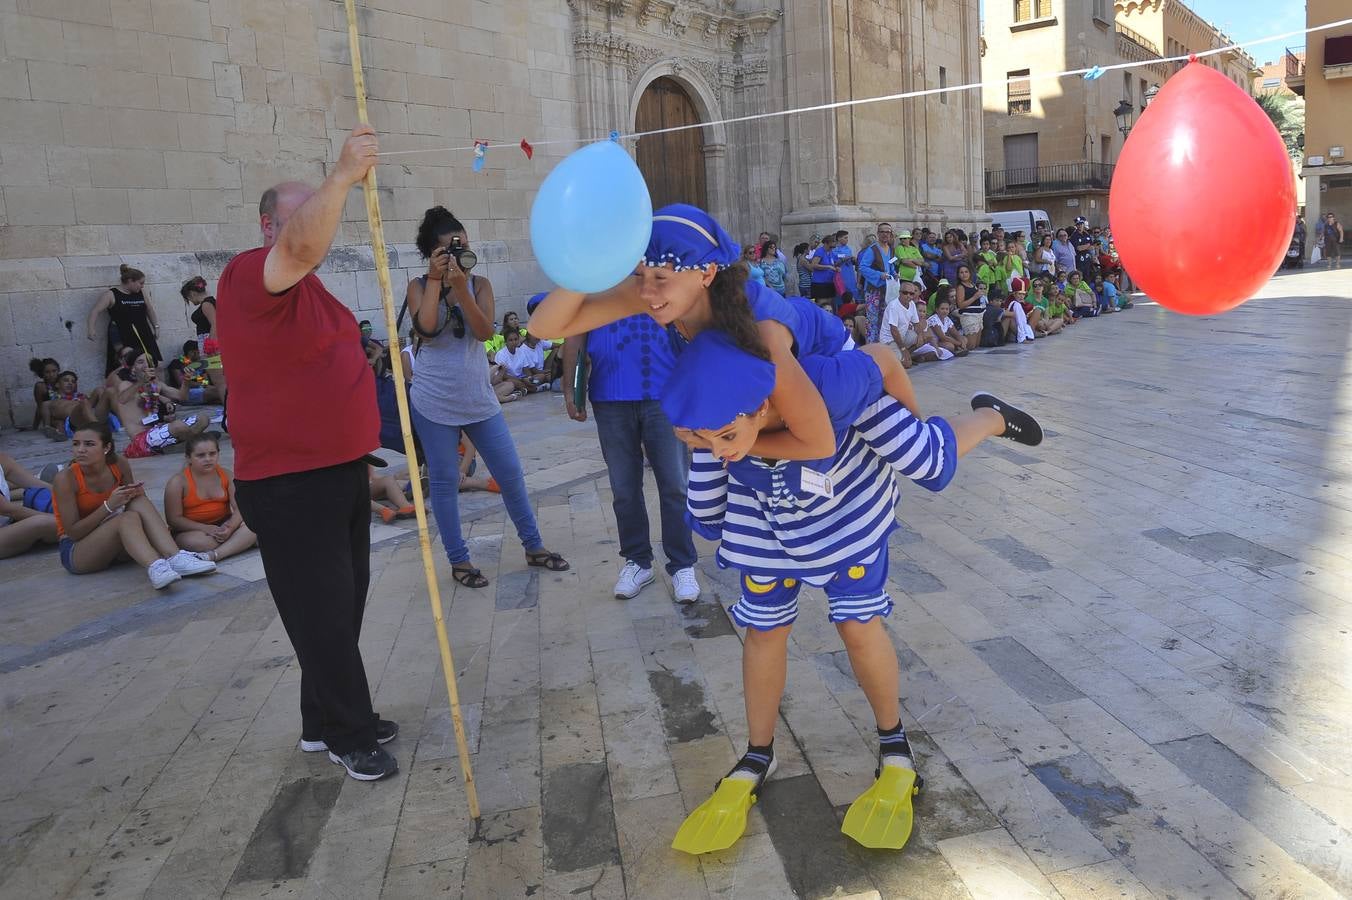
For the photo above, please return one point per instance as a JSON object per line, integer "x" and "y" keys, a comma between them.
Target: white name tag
{"x": 151, "y": 419}
{"x": 817, "y": 483}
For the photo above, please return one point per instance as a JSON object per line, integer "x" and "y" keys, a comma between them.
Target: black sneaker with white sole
{"x": 1019, "y": 425}
{"x": 386, "y": 731}
{"x": 366, "y": 765}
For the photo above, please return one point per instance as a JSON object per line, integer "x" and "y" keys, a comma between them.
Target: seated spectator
{"x": 188, "y": 374}
{"x": 388, "y": 499}
{"x": 25, "y": 509}
{"x": 942, "y": 333}
{"x": 1027, "y": 316}
{"x": 468, "y": 465}
{"x": 103, "y": 516}
{"x": 67, "y": 403}
{"x": 199, "y": 503}
{"x": 1057, "y": 308}
{"x": 44, "y": 389}
{"x": 146, "y": 411}
{"x": 545, "y": 359}
{"x": 932, "y": 301}
{"x": 900, "y": 330}
{"x": 1080, "y": 296}
{"x": 1040, "y": 302}
{"x": 519, "y": 363}
{"x": 1105, "y": 295}
{"x": 511, "y": 322}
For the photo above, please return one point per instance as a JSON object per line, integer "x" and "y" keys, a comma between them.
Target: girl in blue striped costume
{"x": 824, "y": 523}
{"x": 688, "y": 280}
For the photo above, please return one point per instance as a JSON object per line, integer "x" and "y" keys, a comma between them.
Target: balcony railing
{"x": 1295, "y": 65}
{"x": 1060, "y": 178}
{"x": 1137, "y": 38}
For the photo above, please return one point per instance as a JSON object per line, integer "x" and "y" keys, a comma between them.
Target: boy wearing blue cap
{"x": 824, "y": 523}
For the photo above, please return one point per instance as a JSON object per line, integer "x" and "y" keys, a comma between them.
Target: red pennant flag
{"x": 527, "y": 149}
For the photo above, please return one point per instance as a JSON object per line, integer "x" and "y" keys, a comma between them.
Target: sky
{"x": 1247, "y": 19}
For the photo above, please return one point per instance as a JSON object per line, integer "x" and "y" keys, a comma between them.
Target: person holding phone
{"x": 452, "y": 313}
{"x": 103, "y": 516}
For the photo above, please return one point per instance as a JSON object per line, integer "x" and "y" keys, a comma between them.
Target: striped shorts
{"x": 856, "y": 592}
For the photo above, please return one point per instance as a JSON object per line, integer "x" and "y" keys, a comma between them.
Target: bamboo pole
{"x": 397, "y": 359}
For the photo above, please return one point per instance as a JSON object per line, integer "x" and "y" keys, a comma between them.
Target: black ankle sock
{"x": 892, "y": 742}
{"x": 756, "y": 759}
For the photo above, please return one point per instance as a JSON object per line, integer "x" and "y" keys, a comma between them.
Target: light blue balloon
{"x": 592, "y": 219}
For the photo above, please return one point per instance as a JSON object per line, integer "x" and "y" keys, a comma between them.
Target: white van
{"x": 1025, "y": 220}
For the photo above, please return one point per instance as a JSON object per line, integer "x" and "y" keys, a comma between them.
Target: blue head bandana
{"x": 689, "y": 238}
{"x": 714, "y": 382}
{"x": 535, "y": 301}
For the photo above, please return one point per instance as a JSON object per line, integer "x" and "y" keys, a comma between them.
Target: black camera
{"x": 465, "y": 258}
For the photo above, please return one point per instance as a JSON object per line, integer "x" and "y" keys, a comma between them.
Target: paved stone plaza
{"x": 1125, "y": 666}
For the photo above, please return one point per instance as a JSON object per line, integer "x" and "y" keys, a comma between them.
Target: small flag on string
{"x": 480, "y": 151}
{"x": 527, "y": 149}
{"x": 1094, "y": 73}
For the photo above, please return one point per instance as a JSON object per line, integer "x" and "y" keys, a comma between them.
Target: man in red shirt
{"x": 302, "y": 412}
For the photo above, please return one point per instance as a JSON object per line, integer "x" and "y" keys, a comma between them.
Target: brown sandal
{"x": 547, "y": 559}
{"x": 469, "y": 576}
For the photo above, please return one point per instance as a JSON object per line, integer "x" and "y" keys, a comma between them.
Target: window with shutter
{"x": 1044, "y": 8}
{"x": 1020, "y": 93}
{"x": 1023, "y": 10}
{"x": 1021, "y": 159}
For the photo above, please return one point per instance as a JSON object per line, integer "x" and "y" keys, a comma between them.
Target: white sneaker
{"x": 186, "y": 563}
{"x": 687, "y": 586}
{"x": 633, "y": 578}
{"x": 162, "y": 574}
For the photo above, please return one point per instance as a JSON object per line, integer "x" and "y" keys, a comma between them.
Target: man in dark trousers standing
{"x": 303, "y": 415}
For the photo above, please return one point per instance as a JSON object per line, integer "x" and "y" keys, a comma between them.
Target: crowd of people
{"x": 936, "y": 297}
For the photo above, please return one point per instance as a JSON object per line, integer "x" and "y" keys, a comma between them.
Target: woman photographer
{"x": 453, "y": 314}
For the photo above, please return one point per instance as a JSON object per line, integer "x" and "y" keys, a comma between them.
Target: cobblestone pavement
{"x": 1125, "y": 664}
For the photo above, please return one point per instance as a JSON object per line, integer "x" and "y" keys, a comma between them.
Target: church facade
{"x": 145, "y": 133}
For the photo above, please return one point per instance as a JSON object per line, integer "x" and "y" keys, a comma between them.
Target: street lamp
{"x": 1149, "y": 96}
{"x": 1124, "y": 113}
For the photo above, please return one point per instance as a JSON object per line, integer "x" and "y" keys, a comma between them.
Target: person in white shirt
{"x": 901, "y": 321}
{"x": 520, "y": 364}
{"x": 941, "y": 330}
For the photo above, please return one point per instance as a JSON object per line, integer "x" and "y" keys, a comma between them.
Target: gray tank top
{"x": 450, "y": 384}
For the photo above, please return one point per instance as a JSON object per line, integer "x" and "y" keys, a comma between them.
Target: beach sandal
{"x": 469, "y": 576}
{"x": 547, "y": 559}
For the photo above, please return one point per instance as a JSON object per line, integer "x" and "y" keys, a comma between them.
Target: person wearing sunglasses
{"x": 453, "y": 314}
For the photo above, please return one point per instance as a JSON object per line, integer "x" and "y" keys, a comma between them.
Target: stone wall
{"x": 144, "y": 131}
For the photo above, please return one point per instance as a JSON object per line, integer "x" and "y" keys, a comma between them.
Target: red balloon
{"x": 1203, "y": 200}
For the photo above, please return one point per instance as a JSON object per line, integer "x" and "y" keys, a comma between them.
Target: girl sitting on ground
{"x": 511, "y": 323}
{"x": 67, "y": 403}
{"x": 25, "y": 504}
{"x": 942, "y": 333}
{"x": 44, "y": 389}
{"x": 199, "y": 503}
{"x": 388, "y": 499}
{"x": 1046, "y": 324}
{"x": 103, "y": 516}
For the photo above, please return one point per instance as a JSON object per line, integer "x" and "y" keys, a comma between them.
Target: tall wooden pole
{"x": 397, "y": 359}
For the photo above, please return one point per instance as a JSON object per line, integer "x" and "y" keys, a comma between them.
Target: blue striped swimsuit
{"x": 779, "y": 534}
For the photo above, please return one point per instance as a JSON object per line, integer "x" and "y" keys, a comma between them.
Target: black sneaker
{"x": 366, "y": 765}
{"x": 386, "y": 731}
{"x": 1019, "y": 425}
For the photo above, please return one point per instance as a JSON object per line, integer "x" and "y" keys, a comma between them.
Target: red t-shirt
{"x": 301, "y": 395}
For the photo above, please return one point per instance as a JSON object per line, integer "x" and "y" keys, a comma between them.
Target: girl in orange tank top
{"x": 201, "y": 519}
{"x": 103, "y": 516}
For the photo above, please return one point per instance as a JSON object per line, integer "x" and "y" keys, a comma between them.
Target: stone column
{"x": 716, "y": 182}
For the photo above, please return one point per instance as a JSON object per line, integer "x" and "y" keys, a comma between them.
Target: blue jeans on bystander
{"x": 628, "y": 431}
{"x": 495, "y": 446}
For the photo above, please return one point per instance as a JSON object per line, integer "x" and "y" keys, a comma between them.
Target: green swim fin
{"x": 718, "y": 822}
{"x": 882, "y": 816}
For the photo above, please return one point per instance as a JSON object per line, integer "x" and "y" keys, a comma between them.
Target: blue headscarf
{"x": 714, "y": 382}
{"x": 689, "y": 238}
{"x": 535, "y": 301}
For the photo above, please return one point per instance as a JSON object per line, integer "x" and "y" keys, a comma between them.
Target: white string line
{"x": 907, "y": 95}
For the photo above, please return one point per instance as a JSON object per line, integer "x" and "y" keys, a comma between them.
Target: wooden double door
{"x": 672, "y": 163}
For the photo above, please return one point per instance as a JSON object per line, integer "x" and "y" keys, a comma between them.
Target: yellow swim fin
{"x": 882, "y": 816}
{"x": 718, "y": 822}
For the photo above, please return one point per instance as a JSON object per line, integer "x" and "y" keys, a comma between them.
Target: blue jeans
{"x": 629, "y": 430}
{"x": 494, "y": 444}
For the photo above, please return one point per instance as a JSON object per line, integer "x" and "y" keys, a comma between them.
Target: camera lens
{"x": 466, "y": 259}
